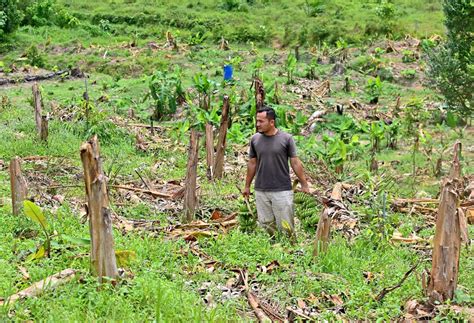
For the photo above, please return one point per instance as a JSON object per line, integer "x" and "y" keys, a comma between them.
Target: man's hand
{"x": 251, "y": 170}
{"x": 298, "y": 169}
{"x": 305, "y": 188}
{"x": 246, "y": 192}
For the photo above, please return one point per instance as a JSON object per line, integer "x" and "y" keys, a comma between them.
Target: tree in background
{"x": 451, "y": 65}
{"x": 9, "y": 17}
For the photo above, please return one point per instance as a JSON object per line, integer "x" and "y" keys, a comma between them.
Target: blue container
{"x": 228, "y": 72}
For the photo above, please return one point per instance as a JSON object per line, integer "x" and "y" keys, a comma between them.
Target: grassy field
{"x": 119, "y": 45}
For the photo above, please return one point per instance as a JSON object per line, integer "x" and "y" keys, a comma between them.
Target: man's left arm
{"x": 297, "y": 167}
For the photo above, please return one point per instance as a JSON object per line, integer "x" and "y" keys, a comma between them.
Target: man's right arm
{"x": 251, "y": 170}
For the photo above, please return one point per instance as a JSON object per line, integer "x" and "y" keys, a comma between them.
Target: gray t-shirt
{"x": 272, "y": 153}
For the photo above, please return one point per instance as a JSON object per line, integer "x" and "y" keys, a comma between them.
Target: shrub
{"x": 408, "y": 56}
{"x": 408, "y": 74}
{"x": 165, "y": 89}
{"x": 450, "y": 66}
{"x": 66, "y": 20}
{"x": 366, "y": 64}
{"x": 39, "y": 13}
{"x": 373, "y": 89}
{"x": 385, "y": 10}
{"x": 35, "y": 57}
{"x": 314, "y": 7}
{"x": 9, "y": 17}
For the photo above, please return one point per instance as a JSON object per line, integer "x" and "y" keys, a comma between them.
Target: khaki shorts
{"x": 275, "y": 210}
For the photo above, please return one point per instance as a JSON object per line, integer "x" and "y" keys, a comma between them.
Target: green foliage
{"x": 377, "y": 134}
{"x": 9, "y": 17}
{"x": 374, "y": 89}
{"x": 366, "y": 64}
{"x": 450, "y": 66}
{"x": 385, "y": 10}
{"x": 165, "y": 89}
{"x": 408, "y": 56}
{"x": 314, "y": 8}
{"x": 311, "y": 69}
{"x": 290, "y": 67}
{"x": 408, "y": 74}
{"x": 46, "y": 13}
{"x": 35, "y": 56}
{"x": 40, "y": 13}
{"x": 232, "y": 5}
{"x": 35, "y": 213}
{"x": 378, "y": 52}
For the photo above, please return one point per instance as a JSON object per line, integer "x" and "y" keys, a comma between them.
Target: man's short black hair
{"x": 271, "y": 115}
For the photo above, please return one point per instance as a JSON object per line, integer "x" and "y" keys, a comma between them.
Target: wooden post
{"x": 19, "y": 188}
{"x": 38, "y": 106}
{"x": 322, "y": 233}
{"x": 44, "y": 128}
{"x": 347, "y": 84}
{"x": 447, "y": 239}
{"x": 100, "y": 219}
{"x": 210, "y": 150}
{"x": 221, "y": 142}
{"x": 259, "y": 93}
{"x": 324, "y": 225}
{"x": 190, "y": 196}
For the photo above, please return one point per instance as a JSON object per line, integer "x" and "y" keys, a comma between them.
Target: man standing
{"x": 269, "y": 152}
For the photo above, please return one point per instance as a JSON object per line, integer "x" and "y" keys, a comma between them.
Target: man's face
{"x": 263, "y": 124}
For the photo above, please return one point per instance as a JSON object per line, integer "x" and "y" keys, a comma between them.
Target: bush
{"x": 40, "y": 13}
{"x": 66, "y": 20}
{"x": 450, "y": 66}
{"x": 250, "y": 33}
{"x": 9, "y": 17}
{"x": 385, "y": 10}
{"x": 314, "y": 8}
{"x": 408, "y": 74}
{"x": 35, "y": 57}
{"x": 166, "y": 91}
{"x": 374, "y": 89}
{"x": 408, "y": 56}
{"x": 45, "y": 13}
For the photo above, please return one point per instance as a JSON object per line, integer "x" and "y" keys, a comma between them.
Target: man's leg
{"x": 283, "y": 209}
{"x": 266, "y": 219}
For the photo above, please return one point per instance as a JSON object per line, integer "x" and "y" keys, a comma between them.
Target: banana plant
{"x": 203, "y": 86}
{"x": 290, "y": 68}
{"x": 163, "y": 89}
{"x": 35, "y": 213}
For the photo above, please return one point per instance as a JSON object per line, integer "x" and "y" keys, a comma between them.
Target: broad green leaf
{"x": 76, "y": 241}
{"x": 40, "y": 253}
{"x": 34, "y": 212}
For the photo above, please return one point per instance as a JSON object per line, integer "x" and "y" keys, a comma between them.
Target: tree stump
{"x": 18, "y": 185}
{"x": 190, "y": 195}
{"x": 221, "y": 141}
{"x": 347, "y": 84}
{"x": 259, "y": 93}
{"x": 100, "y": 220}
{"x": 447, "y": 239}
{"x": 324, "y": 225}
{"x": 322, "y": 233}
{"x": 44, "y": 128}
{"x": 37, "y": 104}
{"x": 338, "y": 69}
{"x": 210, "y": 150}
